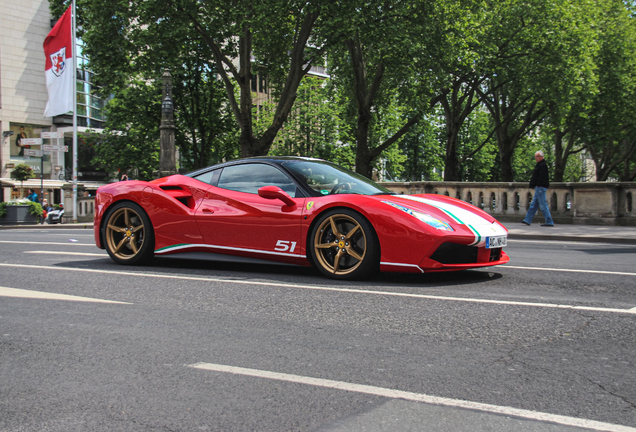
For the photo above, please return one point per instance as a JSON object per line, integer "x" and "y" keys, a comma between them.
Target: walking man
{"x": 540, "y": 182}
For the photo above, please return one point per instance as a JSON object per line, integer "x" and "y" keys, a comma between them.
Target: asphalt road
{"x": 546, "y": 343}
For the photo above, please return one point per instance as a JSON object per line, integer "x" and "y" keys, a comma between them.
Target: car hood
{"x": 463, "y": 217}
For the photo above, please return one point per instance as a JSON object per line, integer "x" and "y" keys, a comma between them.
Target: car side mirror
{"x": 274, "y": 192}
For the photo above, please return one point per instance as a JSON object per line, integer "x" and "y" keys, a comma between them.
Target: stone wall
{"x": 593, "y": 203}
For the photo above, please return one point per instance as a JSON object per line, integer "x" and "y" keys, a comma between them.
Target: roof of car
{"x": 277, "y": 160}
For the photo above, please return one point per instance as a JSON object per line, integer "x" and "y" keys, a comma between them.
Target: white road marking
{"x": 21, "y": 293}
{"x": 416, "y": 397}
{"x": 68, "y": 234}
{"x": 570, "y": 270}
{"x": 325, "y": 288}
{"x": 48, "y": 243}
{"x": 67, "y": 253}
{"x": 627, "y": 245}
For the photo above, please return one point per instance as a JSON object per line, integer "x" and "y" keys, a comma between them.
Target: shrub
{"x": 34, "y": 208}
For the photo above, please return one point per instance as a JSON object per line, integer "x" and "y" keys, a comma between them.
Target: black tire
{"x": 128, "y": 235}
{"x": 344, "y": 246}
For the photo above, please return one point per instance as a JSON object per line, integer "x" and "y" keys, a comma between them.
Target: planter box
{"x": 18, "y": 215}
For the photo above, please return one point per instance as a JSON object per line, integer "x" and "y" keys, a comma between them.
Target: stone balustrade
{"x": 85, "y": 205}
{"x": 593, "y": 203}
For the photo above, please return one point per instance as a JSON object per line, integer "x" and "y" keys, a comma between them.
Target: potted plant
{"x": 20, "y": 212}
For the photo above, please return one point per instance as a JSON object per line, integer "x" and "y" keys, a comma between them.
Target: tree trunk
{"x": 242, "y": 110}
{"x": 559, "y": 160}
{"x": 457, "y": 104}
{"x": 451, "y": 161}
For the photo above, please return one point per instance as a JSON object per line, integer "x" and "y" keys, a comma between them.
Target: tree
{"x": 127, "y": 59}
{"x": 130, "y": 140}
{"x": 135, "y": 40}
{"x": 610, "y": 129}
{"x": 22, "y": 172}
{"x": 539, "y": 49}
{"x": 271, "y": 36}
{"x": 311, "y": 129}
{"x": 375, "y": 69}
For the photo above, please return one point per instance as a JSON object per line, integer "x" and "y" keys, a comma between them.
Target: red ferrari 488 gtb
{"x": 296, "y": 211}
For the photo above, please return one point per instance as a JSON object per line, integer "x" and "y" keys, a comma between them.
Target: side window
{"x": 250, "y": 177}
{"x": 210, "y": 177}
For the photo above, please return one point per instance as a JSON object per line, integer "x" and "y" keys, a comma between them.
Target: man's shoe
{"x": 546, "y": 225}
{"x": 525, "y": 223}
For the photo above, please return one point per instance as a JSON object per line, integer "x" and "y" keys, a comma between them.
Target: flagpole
{"x": 75, "y": 156}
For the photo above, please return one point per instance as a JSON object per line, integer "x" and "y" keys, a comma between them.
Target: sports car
{"x": 298, "y": 211}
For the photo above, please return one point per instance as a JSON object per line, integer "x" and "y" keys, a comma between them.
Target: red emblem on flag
{"x": 58, "y": 62}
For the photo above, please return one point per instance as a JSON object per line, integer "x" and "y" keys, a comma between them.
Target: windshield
{"x": 325, "y": 178}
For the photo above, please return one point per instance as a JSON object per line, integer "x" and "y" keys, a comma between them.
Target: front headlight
{"x": 426, "y": 218}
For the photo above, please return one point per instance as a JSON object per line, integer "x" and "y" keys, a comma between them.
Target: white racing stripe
{"x": 416, "y": 397}
{"x": 21, "y": 293}
{"x": 325, "y": 288}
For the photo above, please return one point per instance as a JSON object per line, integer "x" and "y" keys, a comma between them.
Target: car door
{"x": 233, "y": 218}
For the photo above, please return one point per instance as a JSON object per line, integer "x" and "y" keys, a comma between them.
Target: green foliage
{"x": 509, "y": 78}
{"x": 34, "y": 208}
{"x": 22, "y": 172}
{"x": 421, "y": 147}
{"x": 131, "y": 139}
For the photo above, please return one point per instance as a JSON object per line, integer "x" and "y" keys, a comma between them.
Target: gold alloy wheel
{"x": 125, "y": 233}
{"x": 340, "y": 244}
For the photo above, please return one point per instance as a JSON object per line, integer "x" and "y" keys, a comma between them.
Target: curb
{"x": 615, "y": 240}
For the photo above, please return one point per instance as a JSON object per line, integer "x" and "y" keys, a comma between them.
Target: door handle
{"x": 207, "y": 210}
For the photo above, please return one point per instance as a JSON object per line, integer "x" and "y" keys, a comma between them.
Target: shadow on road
{"x": 289, "y": 273}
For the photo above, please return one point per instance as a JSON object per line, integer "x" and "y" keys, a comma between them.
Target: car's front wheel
{"x": 344, "y": 245}
{"x": 128, "y": 234}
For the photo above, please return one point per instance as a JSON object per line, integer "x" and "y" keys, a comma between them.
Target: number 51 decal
{"x": 285, "y": 245}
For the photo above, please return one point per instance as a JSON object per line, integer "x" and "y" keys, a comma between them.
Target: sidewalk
{"x": 565, "y": 232}
{"x": 569, "y": 232}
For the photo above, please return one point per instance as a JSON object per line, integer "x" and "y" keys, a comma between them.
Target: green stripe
{"x": 170, "y": 247}
{"x": 472, "y": 228}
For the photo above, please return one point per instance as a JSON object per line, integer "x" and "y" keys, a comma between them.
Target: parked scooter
{"x": 55, "y": 216}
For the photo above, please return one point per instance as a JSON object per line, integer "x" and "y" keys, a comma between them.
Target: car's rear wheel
{"x": 344, "y": 245}
{"x": 128, "y": 234}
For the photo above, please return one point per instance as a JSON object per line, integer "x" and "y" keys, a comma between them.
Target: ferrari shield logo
{"x": 310, "y": 204}
{"x": 58, "y": 60}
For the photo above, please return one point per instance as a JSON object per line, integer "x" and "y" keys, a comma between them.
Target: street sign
{"x": 30, "y": 141}
{"x": 29, "y": 152}
{"x": 52, "y": 135}
{"x": 61, "y": 148}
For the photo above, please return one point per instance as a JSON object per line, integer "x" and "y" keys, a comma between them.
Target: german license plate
{"x": 496, "y": 242}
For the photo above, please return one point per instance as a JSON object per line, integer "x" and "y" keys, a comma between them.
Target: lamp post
{"x": 167, "y": 159}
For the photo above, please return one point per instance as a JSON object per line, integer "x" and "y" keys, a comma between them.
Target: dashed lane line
{"x": 22, "y": 293}
{"x": 67, "y": 253}
{"x": 416, "y": 397}
{"x": 570, "y": 270}
{"x": 49, "y": 243}
{"x": 325, "y": 288}
{"x": 578, "y": 243}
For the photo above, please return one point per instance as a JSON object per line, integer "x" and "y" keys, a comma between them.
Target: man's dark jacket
{"x": 540, "y": 176}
